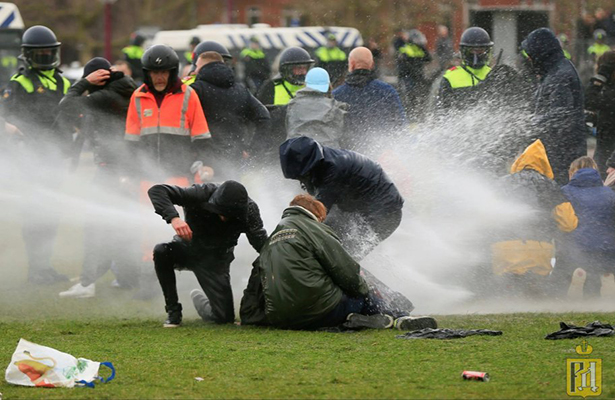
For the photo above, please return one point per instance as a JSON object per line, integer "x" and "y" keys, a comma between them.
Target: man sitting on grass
{"x": 309, "y": 281}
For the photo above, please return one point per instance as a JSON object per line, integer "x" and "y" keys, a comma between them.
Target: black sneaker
{"x": 376, "y": 321}
{"x": 174, "y": 316}
{"x": 415, "y": 323}
{"x": 47, "y": 276}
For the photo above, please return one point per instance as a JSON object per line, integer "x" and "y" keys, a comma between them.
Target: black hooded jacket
{"x": 558, "y": 116}
{"x": 202, "y": 206}
{"x": 232, "y": 112}
{"x": 104, "y": 117}
{"x": 600, "y": 99}
{"x": 349, "y": 180}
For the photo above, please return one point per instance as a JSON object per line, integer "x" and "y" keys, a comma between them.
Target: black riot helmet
{"x": 476, "y": 47}
{"x": 160, "y": 57}
{"x": 294, "y": 57}
{"x": 40, "y": 48}
{"x": 210, "y": 45}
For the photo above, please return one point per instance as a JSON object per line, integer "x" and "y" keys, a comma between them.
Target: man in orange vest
{"x": 166, "y": 118}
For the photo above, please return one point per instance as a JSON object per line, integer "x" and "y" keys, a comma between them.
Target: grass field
{"x": 247, "y": 362}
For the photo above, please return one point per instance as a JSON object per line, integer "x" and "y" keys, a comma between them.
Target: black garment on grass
{"x": 595, "y": 328}
{"x": 429, "y": 333}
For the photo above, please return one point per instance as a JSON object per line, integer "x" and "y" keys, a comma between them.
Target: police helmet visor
{"x": 43, "y": 58}
{"x": 476, "y": 57}
{"x": 295, "y": 73}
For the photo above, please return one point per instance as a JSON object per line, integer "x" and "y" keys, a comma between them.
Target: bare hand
{"x": 12, "y": 130}
{"x": 206, "y": 173}
{"x": 98, "y": 77}
{"x": 609, "y": 170}
{"x": 181, "y": 228}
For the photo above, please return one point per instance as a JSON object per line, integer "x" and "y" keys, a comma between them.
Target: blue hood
{"x": 298, "y": 156}
{"x": 543, "y": 48}
{"x": 586, "y": 177}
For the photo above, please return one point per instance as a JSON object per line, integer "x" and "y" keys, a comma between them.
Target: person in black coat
{"x": 600, "y": 100}
{"x": 215, "y": 217}
{"x": 364, "y": 205}
{"x": 97, "y": 104}
{"x": 232, "y": 114}
{"x": 559, "y": 119}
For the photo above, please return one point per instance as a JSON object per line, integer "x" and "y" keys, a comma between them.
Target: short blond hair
{"x": 580, "y": 163}
{"x": 211, "y": 56}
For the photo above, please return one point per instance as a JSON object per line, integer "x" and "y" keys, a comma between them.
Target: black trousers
{"x": 211, "y": 268}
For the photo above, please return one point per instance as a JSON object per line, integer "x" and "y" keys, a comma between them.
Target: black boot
{"x": 174, "y": 316}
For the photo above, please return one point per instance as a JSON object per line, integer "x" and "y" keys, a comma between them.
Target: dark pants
{"x": 105, "y": 242}
{"x": 348, "y": 305}
{"x": 211, "y": 268}
{"x": 359, "y": 233}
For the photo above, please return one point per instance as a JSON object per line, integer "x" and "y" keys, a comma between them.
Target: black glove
{"x": 605, "y": 72}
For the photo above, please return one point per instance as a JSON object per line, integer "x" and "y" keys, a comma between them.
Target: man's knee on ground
{"x": 162, "y": 252}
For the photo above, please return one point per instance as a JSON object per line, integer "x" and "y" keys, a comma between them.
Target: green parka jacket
{"x": 305, "y": 270}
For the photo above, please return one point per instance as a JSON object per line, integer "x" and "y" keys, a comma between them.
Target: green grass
{"x": 248, "y": 362}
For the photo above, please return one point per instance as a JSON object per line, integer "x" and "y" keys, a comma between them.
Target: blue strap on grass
{"x": 100, "y": 378}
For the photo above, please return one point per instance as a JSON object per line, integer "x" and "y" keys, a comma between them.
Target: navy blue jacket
{"x": 375, "y": 108}
{"x": 594, "y": 205}
{"x": 349, "y": 180}
{"x": 558, "y": 119}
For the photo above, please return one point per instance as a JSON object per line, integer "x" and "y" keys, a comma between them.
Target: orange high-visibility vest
{"x": 180, "y": 113}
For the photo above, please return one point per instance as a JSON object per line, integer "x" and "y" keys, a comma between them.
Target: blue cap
{"x": 318, "y": 79}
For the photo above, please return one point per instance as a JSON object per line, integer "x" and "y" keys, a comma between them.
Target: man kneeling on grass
{"x": 215, "y": 217}
{"x": 309, "y": 281}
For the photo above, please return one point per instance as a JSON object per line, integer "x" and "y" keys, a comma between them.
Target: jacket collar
{"x": 586, "y": 177}
{"x": 300, "y": 210}
{"x": 360, "y": 77}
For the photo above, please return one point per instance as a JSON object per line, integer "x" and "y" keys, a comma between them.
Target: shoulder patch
{"x": 453, "y": 68}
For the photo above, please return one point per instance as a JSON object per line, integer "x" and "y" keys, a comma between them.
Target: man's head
{"x": 122, "y": 66}
{"x": 360, "y": 58}
{"x": 311, "y": 204}
{"x": 210, "y": 45}
{"x": 207, "y": 58}
{"x": 600, "y": 35}
{"x": 541, "y": 46}
{"x": 300, "y": 158}
{"x": 254, "y": 43}
{"x": 476, "y": 47}
{"x": 294, "y": 65}
{"x": 95, "y": 64}
{"x": 442, "y": 31}
{"x": 40, "y": 49}
{"x": 331, "y": 40}
{"x": 194, "y": 42}
{"x": 230, "y": 201}
{"x": 160, "y": 67}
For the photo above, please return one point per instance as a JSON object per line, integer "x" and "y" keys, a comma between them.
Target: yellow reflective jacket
{"x": 533, "y": 252}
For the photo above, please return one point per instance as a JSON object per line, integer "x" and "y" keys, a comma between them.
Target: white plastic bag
{"x": 36, "y": 365}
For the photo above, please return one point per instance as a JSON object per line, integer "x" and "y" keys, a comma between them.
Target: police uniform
{"x": 257, "y": 67}
{"x": 132, "y": 55}
{"x": 333, "y": 60}
{"x": 277, "y": 92}
{"x": 457, "y": 84}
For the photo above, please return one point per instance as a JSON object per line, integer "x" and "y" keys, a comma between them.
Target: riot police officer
{"x": 459, "y": 82}
{"x": 257, "y": 68}
{"x": 208, "y": 45}
{"x": 30, "y": 101}
{"x": 294, "y": 65}
{"x": 133, "y": 53}
{"x": 332, "y": 59}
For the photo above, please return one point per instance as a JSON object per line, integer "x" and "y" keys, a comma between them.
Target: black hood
{"x": 218, "y": 74}
{"x": 230, "y": 200}
{"x": 360, "y": 77}
{"x": 299, "y": 156}
{"x": 121, "y": 84}
{"x": 543, "y": 48}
